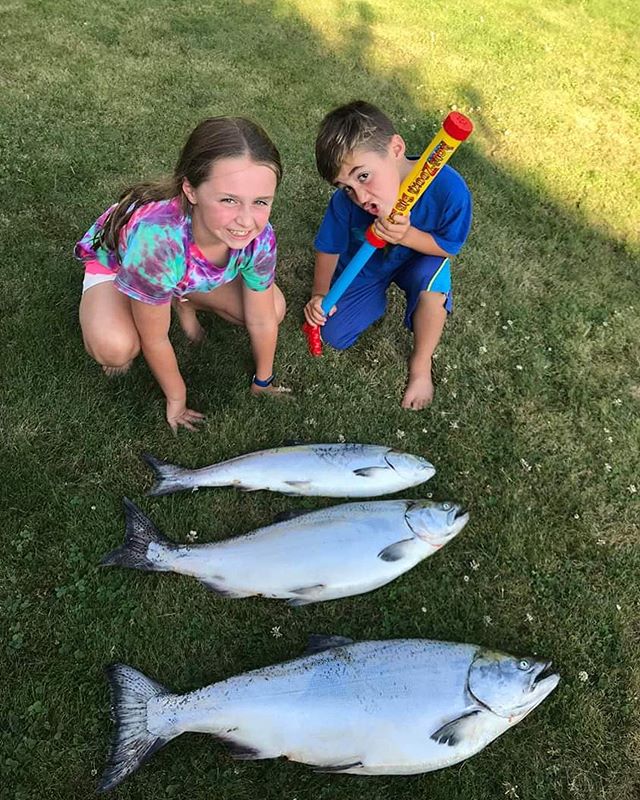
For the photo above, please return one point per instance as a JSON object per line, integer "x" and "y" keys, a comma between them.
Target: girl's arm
{"x": 262, "y": 325}
{"x": 152, "y": 322}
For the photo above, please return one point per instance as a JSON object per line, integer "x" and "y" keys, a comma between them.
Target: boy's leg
{"x": 360, "y": 306}
{"x": 426, "y": 281}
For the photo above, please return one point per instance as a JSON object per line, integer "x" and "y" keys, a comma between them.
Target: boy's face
{"x": 372, "y": 179}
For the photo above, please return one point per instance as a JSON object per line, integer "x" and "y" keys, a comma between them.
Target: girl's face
{"x": 233, "y": 205}
{"x": 372, "y": 179}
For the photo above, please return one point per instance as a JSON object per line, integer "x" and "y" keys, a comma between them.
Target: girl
{"x": 201, "y": 240}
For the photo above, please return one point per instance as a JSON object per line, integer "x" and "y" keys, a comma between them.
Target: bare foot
{"x": 113, "y": 372}
{"x": 419, "y": 391}
{"x": 193, "y": 330}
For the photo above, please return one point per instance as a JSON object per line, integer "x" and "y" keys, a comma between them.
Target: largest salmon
{"x": 371, "y": 708}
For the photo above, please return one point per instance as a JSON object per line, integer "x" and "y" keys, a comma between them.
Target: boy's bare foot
{"x": 113, "y": 372}
{"x": 193, "y": 330}
{"x": 419, "y": 391}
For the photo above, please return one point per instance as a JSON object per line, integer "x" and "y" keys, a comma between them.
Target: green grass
{"x": 538, "y": 377}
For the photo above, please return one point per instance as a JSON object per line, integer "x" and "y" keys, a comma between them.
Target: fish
{"x": 395, "y": 707}
{"x": 308, "y": 557}
{"x": 326, "y": 470}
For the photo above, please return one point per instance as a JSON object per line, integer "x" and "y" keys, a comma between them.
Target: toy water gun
{"x": 455, "y": 129}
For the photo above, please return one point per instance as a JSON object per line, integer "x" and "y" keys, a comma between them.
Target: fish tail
{"x": 169, "y": 477}
{"x": 140, "y": 532}
{"x": 132, "y": 743}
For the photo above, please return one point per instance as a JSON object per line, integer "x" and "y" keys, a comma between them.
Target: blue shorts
{"x": 365, "y": 301}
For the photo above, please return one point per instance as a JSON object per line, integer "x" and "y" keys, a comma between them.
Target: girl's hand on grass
{"x": 313, "y": 311}
{"x": 277, "y": 391}
{"x": 179, "y": 415}
{"x": 392, "y": 232}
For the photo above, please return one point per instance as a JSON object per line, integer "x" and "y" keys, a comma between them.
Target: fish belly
{"x": 325, "y": 560}
{"x": 372, "y": 704}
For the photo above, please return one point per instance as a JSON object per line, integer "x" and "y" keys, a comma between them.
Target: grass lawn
{"x": 535, "y": 425}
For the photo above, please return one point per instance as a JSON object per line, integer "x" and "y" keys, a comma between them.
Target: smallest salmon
{"x": 313, "y": 470}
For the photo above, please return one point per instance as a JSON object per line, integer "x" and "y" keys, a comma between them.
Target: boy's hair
{"x": 213, "y": 139}
{"x": 357, "y": 124}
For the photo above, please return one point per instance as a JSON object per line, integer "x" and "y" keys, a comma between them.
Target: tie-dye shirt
{"x": 160, "y": 260}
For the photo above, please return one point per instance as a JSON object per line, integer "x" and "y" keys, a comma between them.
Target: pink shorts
{"x": 95, "y": 273}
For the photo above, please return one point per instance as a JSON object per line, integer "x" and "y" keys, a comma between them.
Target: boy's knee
{"x": 339, "y": 340}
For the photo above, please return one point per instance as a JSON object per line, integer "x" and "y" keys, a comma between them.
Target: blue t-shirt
{"x": 444, "y": 211}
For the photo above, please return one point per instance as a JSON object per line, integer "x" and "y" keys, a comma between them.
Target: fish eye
{"x": 446, "y": 506}
{"x": 523, "y": 664}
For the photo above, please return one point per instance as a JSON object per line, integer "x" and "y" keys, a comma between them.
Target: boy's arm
{"x": 326, "y": 264}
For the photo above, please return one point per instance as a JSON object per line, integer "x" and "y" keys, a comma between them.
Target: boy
{"x": 359, "y": 152}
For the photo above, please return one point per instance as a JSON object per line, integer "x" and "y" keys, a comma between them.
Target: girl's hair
{"x": 213, "y": 139}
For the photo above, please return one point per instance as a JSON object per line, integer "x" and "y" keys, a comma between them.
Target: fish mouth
{"x": 545, "y": 672}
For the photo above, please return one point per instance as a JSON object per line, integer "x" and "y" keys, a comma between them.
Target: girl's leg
{"x": 226, "y": 301}
{"x": 108, "y": 330}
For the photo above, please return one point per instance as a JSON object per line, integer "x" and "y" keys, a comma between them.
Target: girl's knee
{"x": 280, "y": 304}
{"x": 116, "y": 351}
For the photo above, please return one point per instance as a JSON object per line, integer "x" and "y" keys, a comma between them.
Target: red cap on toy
{"x": 458, "y": 126}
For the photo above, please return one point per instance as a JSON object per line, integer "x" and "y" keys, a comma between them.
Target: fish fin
{"x": 370, "y": 472}
{"x": 285, "y": 516}
{"x": 132, "y": 744}
{"x": 397, "y": 550}
{"x": 318, "y": 643}
{"x": 169, "y": 477}
{"x": 239, "y": 751}
{"x": 338, "y": 767}
{"x": 219, "y": 589}
{"x": 454, "y": 732}
{"x": 140, "y": 532}
{"x": 304, "y": 590}
{"x": 298, "y": 484}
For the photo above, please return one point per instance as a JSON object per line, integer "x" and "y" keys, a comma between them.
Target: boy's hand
{"x": 313, "y": 312}
{"x": 392, "y": 232}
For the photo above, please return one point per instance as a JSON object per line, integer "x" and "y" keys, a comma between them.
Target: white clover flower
{"x": 454, "y": 424}
{"x": 632, "y": 489}
{"x": 400, "y": 434}
{"x": 487, "y": 620}
{"x": 510, "y": 323}
{"x": 475, "y": 565}
{"x": 341, "y": 438}
{"x": 504, "y": 328}
{"x": 618, "y": 607}
{"x": 275, "y": 632}
{"x": 576, "y": 516}
{"x": 444, "y": 379}
{"x": 601, "y": 542}
{"x": 606, "y": 430}
{"x": 483, "y": 304}
{"x": 583, "y": 676}
{"x": 519, "y": 367}
{"x": 192, "y": 536}
{"x": 525, "y": 465}
{"x": 497, "y": 313}
{"x": 617, "y": 402}
{"x": 423, "y": 609}
{"x": 93, "y": 508}
{"x": 529, "y": 617}
{"x": 482, "y": 349}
